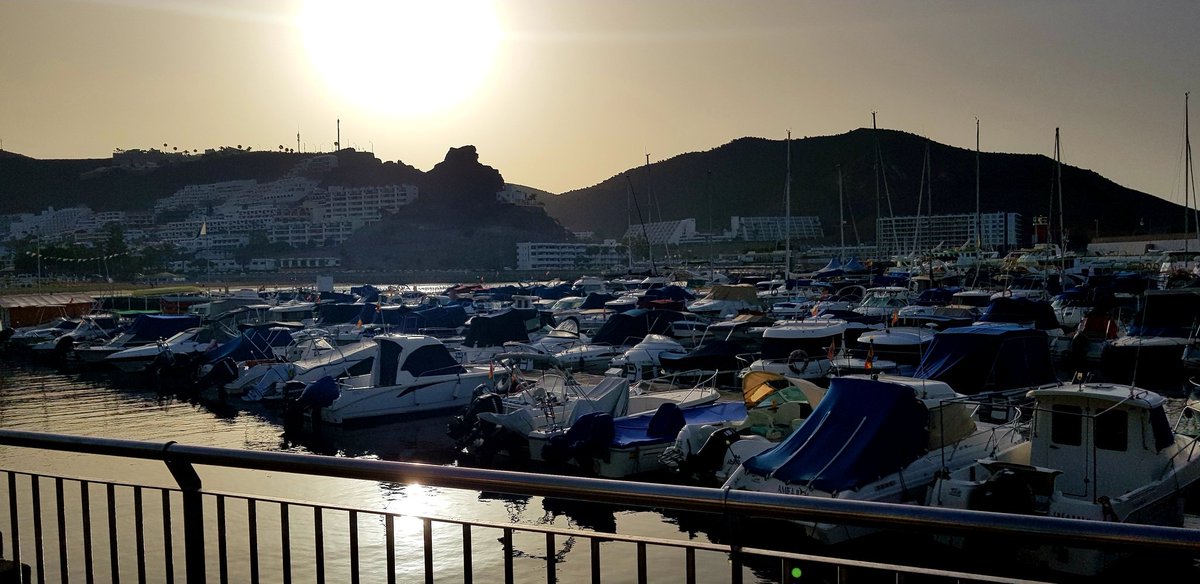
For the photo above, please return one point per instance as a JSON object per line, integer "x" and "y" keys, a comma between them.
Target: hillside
{"x": 746, "y": 177}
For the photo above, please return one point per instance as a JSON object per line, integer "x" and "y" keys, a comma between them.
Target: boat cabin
{"x": 402, "y": 358}
{"x": 1081, "y": 428}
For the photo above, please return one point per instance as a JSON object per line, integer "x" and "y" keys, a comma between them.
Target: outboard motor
{"x": 711, "y": 457}
{"x": 221, "y": 373}
{"x": 314, "y": 396}
{"x": 466, "y": 427}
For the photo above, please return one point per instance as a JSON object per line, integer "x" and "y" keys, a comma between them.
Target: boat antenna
{"x": 649, "y": 249}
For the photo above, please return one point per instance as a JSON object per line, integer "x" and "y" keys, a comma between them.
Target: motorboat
{"x": 873, "y": 438}
{"x": 146, "y": 329}
{"x": 725, "y": 301}
{"x": 643, "y": 360}
{"x": 525, "y": 422}
{"x": 92, "y": 327}
{"x": 265, "y": 380}
{"x": 619, "y": 333}
{"x": 773, "y": 406}
{"x": 904, "y": 345}
{"x": 884, "y": 301}
{"x": 411, "y": 374}
{"x": 193, "y": 340}
{"x": 639, "y": 440}
{"x": 1151, "y": 353}
{"x": 26, "y": 337}
{"x": 1097, "y": 451}
{"x": 798, "y": 348}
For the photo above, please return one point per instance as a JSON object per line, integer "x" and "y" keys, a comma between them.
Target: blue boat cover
{"x": 984, "y": 358}
{"x": 717, "y": 354}
{"x": 497, "y": 328}
{"x": 936, "y": 296}
{"x": 151, "y": 327}
{"x": 631, "y": 326}
{"x": 669, "y": 293}
{"x": 552, "y": 292}
{"x": 365, "y": 293}
{"x": 1021, "y": 311}
{"x": 339, "y": 313}
{"x": 596, "y": 300}
{"x": 251, "y": 344}
{"x": 860, "y": 431}
{"x": 854, "y": 267}
{"x": 664, "y": 424}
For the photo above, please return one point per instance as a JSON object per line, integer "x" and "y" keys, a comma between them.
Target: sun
{"x": 401, "y": 57}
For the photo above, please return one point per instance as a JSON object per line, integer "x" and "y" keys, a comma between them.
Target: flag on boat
{"x": 895, "y": 316}
{"x": 491, "y": 369}
{"x": 832, "y": 348}
{"x": 816, "y": 309}
{"x": 870, "y": 362}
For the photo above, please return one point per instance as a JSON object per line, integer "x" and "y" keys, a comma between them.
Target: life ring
{"x": 798, "y": 356}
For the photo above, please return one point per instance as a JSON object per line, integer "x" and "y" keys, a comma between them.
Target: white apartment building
{"x": 364, "y": 205}
{"x": 774, "y": 228}
{"x": 901, "y": 235}
{"x": 309, "y": 263}
{"x": 206, "y": 194}
{"x": 568, "y": 256}
{"x": 308, "y": 233}
{"x": 664, "y": 232}
{"x": 50, "y": 223}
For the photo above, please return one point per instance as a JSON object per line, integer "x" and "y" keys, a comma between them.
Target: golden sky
{"x": 562, "y": 94}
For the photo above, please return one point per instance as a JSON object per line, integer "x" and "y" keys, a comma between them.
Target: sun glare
{"x": 401, "y": 57}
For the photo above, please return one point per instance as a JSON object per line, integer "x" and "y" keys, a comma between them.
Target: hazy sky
{"x": 562, "y": 94}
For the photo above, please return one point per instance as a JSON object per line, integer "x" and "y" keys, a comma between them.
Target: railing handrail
{"x": 637, "y": 494}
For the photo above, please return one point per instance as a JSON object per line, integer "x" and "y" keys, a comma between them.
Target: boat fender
{"x": 319, "y": 394}
{"x": 799, "y": 356}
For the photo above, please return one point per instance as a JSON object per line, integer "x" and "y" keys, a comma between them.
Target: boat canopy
{"x": 342, "y": 313}
{"x": 669, "y": 293}
{"x": 631, "y": 326}
{"x": 861, "y": 430}
{"x": 1168, "y": 313}
{"x": 1020, "y": 311}
{"x": 854, "y": 267}
{"x": 734, "y": 292}
{"x": 717, "y": 354}
{"x": 365, "y": 293}
{"x": 985, "y": 358}
{"x": 251, "y": 344}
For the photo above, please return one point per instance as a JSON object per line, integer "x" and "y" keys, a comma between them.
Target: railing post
{"x": 193, "y": 514}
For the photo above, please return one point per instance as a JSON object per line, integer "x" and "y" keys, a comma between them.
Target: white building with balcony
{"x": 902, "y": 235}
{"x": 568, "y": 256}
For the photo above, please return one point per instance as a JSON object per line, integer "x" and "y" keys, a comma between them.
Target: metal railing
{"x": 190, "y": 511}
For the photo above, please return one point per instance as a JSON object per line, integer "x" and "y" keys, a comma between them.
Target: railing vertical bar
{"x": 222, "y": 542}
{"x": 389, "y": 522}
{"x": 168, "y": 546}
{"x": 641, "y": 562}
{"x": 113, "y": 557}
{"x": 285, "y": 540}
{"x": 468, "y": 577}
{"x": 318, "y": 544}
{"x": 428, "y": 533}
{"x": 252, "y": 519}
{"x": 63, "y": 568}
{"x": 595, "y": 560}
{"x": 354, "y": 547}
{"x": 38, "y": 554}
{"x": 735, "y": 567}
{"x": 14, "y": 523}
{"x": 551, "y": 571}
{"x": 139, "y": 534}
{"x": 508, "y": 554}
{"x": 689, "y": 566}
{"x": 85, "y": 507}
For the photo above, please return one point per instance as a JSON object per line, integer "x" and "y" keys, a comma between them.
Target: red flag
{"x": 895, "y": 316}
{"x": 491, "y": 369}
{"x": 870, "y": 363}
{"x": 832, "y": 348}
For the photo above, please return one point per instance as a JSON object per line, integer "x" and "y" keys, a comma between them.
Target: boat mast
{"x": 978, "y": 225}
{"x": 841, "y": 218}
{"x": 1062, "y": 232}
{"x": 787, "y": 211}
{"x": 920, "y": 200}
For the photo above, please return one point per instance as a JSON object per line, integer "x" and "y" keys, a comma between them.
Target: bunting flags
{"x": 75, "y": 260}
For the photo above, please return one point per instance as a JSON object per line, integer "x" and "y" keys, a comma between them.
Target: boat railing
{"x": 90, "y": 528}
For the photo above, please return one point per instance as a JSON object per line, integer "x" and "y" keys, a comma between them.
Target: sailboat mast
{"x": 841, "y": 218}
{"x": 787, "y": 211}
{"x": 978, "y": 225}
{"x": 920, "y": 200}
{"x": 1062, "y": 233}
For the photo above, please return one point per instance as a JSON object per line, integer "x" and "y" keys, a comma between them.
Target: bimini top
{"x": 986, "y": 358}
{"x": 861, "y": 430}
{"x": 1021, "y": 311}
{"x": 664, "y": 424}
{"x": 497, "y": 328}
{"x": 630, "y": 327}
{"x": 161, "y": 326}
